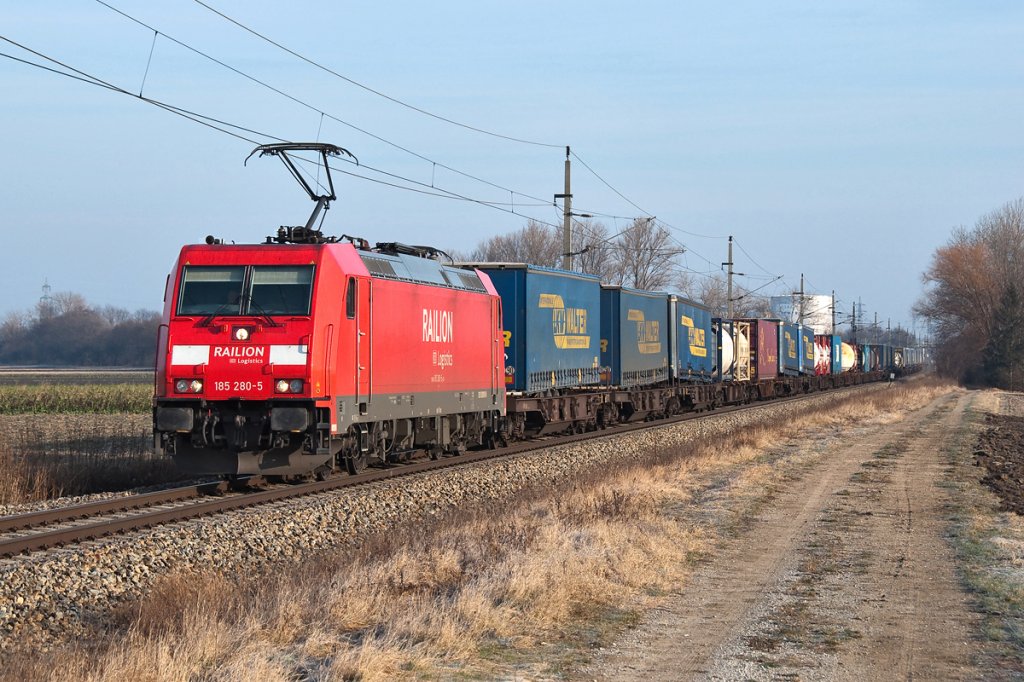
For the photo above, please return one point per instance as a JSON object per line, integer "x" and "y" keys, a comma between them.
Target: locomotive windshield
{"x": 281, "y": 290}
{"x": 271, "y": 290}
{"x": 211, "y": 290}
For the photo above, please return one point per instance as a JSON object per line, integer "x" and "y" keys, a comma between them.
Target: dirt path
{"x": 845, "y": 575}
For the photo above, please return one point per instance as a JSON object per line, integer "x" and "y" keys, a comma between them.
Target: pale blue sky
{"x": 840, "y": 139}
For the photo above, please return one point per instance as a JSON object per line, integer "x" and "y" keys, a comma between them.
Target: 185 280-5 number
{"x": 238, "y": 385}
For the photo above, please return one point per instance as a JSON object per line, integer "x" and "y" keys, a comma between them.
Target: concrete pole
{"x": 853, "y": 323}
{"x": 728, "y": 290}
{"x": 800, "y": 320}
{"x": 567, "y": 229}
{"x": 833, "y": 309}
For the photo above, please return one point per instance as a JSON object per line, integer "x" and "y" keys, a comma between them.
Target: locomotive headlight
{"x": 241, "y": 334}
{"x": 289, "y": 386}
{"x": 188, "y": 386}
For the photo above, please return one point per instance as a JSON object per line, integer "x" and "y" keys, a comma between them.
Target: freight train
{"x": 308, "y": 354}
{"x": 290, "y": 358}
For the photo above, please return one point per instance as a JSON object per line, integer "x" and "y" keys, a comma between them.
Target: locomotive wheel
{"x": 355, "y": 463}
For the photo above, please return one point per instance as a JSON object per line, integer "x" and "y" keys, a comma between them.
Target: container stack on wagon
{"x": 634, "y": 336}
{"x": 551, "y": 322}
{"x": 691, "y": 341}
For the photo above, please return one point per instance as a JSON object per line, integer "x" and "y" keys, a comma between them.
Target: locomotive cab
{"x": 288, "y": 359}
{"x": 236, "y": 389}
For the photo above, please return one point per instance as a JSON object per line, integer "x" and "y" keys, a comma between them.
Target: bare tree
{"x": 641, "y": 256}
{"x": 683, "y": 283}
{"x": 594, "y": 250}
{"x": 644, "y": 256}
{"x": 536, "y": 243}
{"x": 113, "y": 315}
{"x": 14, "y": 324}
{"x": 712, "y": 292}
{"x": 68, "y": 331}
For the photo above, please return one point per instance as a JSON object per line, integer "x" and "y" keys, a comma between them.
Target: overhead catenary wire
{"x": 752, "y": 259}
{"x": 435, "y": 164}
{"x": 216, "y": 124}
{"x": 367, "y": 88}
{"x": 79, "y": 75}
{"x": 400, "y": 102}
{"x": 751, "y": 292}
{"x": 635, "y": 205}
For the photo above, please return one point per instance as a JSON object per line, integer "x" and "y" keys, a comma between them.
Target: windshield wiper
{"x": 271, "y": 322}
{"x": 219, "y": 311}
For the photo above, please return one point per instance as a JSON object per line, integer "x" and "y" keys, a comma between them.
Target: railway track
{"x": 41, "y": 530}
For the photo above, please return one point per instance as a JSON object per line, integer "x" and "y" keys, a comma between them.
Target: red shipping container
{"x": 764, "y": 349}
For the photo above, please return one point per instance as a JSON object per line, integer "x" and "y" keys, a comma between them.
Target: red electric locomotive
{"x": 307, "y": 353}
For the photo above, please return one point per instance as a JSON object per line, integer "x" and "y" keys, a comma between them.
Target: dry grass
{"x": 75, "y": 398}
{"x": 49, "y": 456}
{"x": 510, "y": 590}
{"x": 75, "y": 433}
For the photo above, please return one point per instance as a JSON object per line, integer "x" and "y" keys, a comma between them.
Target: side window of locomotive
{"x": 350, "y": 299}
{"x": 281, "y": 290}
{"x": 208, "y": 290}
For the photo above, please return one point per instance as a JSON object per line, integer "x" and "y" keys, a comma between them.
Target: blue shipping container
{"x": 807, "y": 349}
{"x": 872, "y": 357}
{"x": 551, "y": 320}
{"x": 790, "y": 349}
{"x": 634, "y": 336}
{"x": 837, "y": 354}
{"x": 691, "y": 340}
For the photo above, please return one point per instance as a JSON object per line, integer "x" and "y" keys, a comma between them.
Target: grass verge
{"x": 49, "y": 456}
{"x": 989, "y": 546}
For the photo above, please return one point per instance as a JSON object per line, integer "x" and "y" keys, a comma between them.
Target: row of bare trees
{"x": 973, "y": 300}
{"x": 644, "y": 255}
{"x": 65, "y": 330}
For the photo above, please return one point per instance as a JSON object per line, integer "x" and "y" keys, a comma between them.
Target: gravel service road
{"x": 846, "y": 574}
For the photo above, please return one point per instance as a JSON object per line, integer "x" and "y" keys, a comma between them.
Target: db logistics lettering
{"x": 239, "y": 351}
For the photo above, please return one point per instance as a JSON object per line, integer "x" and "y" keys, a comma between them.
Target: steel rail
{"x": 108, "y": 506}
